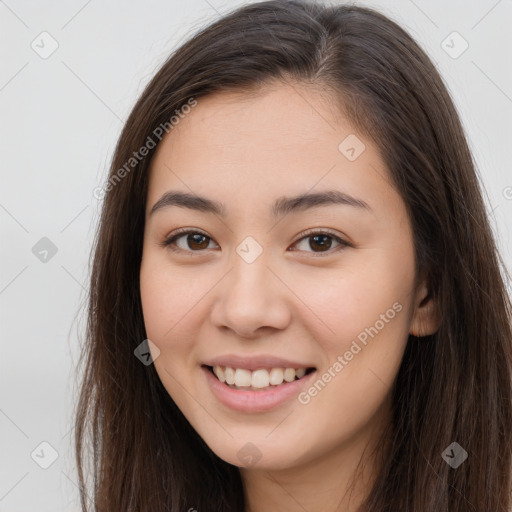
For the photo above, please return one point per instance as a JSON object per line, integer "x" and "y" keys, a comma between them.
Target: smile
{"x": 273, "y": 386}
{"x": 257, "y": 380}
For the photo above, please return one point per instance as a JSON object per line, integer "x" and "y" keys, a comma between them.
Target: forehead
{"x": 280, "y": 140}
{"x": 279, "y": 117}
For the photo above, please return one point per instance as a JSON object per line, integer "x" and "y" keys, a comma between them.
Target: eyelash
{"x": 169, "y": 242}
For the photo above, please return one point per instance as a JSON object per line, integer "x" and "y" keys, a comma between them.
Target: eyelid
{"x": 169, "y": 240}
{"x": 319, "y": 231}
{"x": 322, "y": 231}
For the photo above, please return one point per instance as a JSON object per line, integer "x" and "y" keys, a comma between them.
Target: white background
{"x": 60, "y": 119}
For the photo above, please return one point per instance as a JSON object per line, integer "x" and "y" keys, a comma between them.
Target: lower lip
{"x": 255, "y": 401}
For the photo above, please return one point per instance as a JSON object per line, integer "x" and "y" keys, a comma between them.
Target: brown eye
{"x": 321, "y": 242}
{"x": 195, "y": 241}
{"x": 324, "y": 242}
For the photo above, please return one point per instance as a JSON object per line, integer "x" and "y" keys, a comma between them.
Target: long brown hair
{"x": 452, "y": 386}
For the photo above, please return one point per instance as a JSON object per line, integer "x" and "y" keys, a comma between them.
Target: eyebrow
{"x": 282, "y": 205}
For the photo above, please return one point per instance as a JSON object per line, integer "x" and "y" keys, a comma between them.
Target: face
{"x": 305, "y": 305}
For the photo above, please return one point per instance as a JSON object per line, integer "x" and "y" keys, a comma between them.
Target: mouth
{"x": 262, "y": 379}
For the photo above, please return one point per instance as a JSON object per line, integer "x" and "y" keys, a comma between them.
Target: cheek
{"x": 366, "y": 310}
{"x": 168, "y": 306}
{"x": 158, "y": 304}
{"x": 168, "y": 297}
{"x": 163, "y": 306}
{"x": 362, "y": 355}
{"x": 344, "y": 304}
{"x": 174, "y": 306}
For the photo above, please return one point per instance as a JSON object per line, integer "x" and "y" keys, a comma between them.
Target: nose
{"x": 252, "y": 299}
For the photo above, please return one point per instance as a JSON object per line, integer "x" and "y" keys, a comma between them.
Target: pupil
{"x": 196, "y": 237}
{"x": 325, "y": 245}
{"x": 322, "y": 245}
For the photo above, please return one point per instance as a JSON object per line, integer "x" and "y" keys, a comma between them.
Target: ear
{"x": 427, "y": 317}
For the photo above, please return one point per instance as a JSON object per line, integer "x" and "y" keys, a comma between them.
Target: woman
{"x": 227, "y": 365}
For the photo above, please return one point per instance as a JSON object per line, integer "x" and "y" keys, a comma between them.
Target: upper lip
{"x": 255, "y": 362}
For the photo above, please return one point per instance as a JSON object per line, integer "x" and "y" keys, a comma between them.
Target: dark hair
{"x": 452, "y": 386}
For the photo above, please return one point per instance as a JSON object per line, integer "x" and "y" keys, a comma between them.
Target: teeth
{"x": 300, "y": 373}
{"x": 242, "y": 377}
{"x": 260, "y": 379}
{"x": 220, "y": 374}
{"x": 289, "y": 375}
{"x": 276, "y": 376}
{"x": 229, "y": 373}
{"x": 257, "y": 379}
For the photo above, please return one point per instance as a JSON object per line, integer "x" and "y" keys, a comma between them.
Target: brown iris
{"x": 324, "y": 246}
{"x": 195, "y": 237}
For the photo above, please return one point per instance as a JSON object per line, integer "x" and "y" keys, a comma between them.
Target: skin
{"x": 246, "y": 151}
